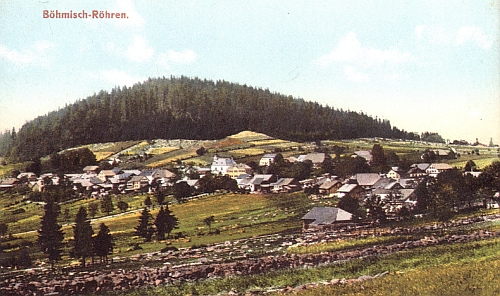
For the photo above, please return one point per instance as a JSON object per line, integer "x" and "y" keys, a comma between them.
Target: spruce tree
{"x": 92, "y": 207}
{"x": 378, "y": 161}
{"x": 107, "y": 205}
{"x": 161, "y": 224}
{"x": 50, "y": 235}
{"x": 103, "y": 243}
{"x": 160, "y": 197}
{"x": 171, "y": 223}
{"x": 144, "y": 229}
{"x": 82, "y": 231}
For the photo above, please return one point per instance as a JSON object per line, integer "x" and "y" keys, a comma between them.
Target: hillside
{"x": 187, "y": 108}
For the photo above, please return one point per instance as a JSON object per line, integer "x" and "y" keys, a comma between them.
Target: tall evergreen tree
{"x": 103, "y": 243}
{"x": 161, "y": 224}
{"x": 378, "y": 161}
{"x": 50, "y": 235}
{"x": 107, "y": 205}
{"x": 92, "y": 207}
{"x": 144, "y": 229}
{"x": 82, "y": 231}
{"x": 160, "y": 197}
{"x": 171, "y": 222}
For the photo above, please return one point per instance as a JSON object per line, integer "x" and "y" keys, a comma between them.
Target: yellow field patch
{"x": 480, "y": 163}
{"x": 172, "y": 159}
{"x": 248, "y": 151}
{"x": 249, "y": 134}
{"x": 267, "y": 142}
{"x": 102, "y": 155}
{"x": 161, "y": 150}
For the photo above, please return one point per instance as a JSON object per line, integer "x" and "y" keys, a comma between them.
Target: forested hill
{"x": 187, "y": 108}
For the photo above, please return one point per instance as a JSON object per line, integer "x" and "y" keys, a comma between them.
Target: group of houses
{"x": 397, "y": 186}
{"x": 92, "y": 180}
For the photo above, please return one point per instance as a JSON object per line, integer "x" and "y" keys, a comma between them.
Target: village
{"x": 393, "y": 190}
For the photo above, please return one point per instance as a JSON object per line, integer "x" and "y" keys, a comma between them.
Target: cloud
{"x": 353, "y": 75}
{"x": 139, "y": 51}
{"x": 419, "y": 30}
{"x": 119, "y": 78}
{"x": 475, "y": 35}
{"x": 433, "y": 34}
{"x": 37, "y": 54}
{"x": 349, "y": 49}
{"x": 350, "y": 52}
{"x": 465, "y": 34}
{"x": 183, "y": 57}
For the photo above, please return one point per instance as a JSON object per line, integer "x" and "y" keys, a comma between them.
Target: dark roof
{"x": 326, "y": 215}
{"x": 283, "y": 182}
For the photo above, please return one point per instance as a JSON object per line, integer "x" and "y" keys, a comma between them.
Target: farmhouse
{"x": 9, "y": 183}
{"x": 325, "y": 217}
{"x": 396, "y": 173}
{"x": 316, "y": 158}
{"x": 367, "y": 155}
{"x": 434, "y": 169}
{"x": 285, "y": 185}
{"x": 418, "y": 170}
{"x": 221, "y": 164}
{"x": 236, "y": 170}
{"x": 257, "y": 183}
{"x": 267, "y": 159}
{"x": 104, "y": 175}
{"x": 366, "y": 180}
{"x": 137, "y": 183}
{"x": 352, "y": 190}
{"x": 329, "y": 187}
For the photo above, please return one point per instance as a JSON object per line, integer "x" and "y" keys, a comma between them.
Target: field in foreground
{"x": 456, "y": 269}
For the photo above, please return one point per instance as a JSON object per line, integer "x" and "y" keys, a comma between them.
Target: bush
{"x": 169, "y": 248}
{"x": 18, "y": 211}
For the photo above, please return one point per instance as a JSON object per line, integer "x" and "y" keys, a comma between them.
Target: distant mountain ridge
{"x": 187, "y": 108}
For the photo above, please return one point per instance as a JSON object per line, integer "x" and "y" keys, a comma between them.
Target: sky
{"x": 423, "y": 65}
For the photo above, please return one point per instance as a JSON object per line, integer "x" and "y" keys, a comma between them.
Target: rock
{"x": 335, "y": 282}
{"x": 365, "y": 277}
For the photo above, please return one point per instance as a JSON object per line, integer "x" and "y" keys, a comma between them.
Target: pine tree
{"x": 144, "y": 229}
{"x": 171, "y": 223}
{"x": 92, "y": 207}
{"x": 147, "y": 201}
{"x": 107, "y": 205}
{"x": 50, "y": 235}
{"x": 103, "y": 243}
{"x": 160, "y": 197}
{"x": 161, "y": 224}
{"x": 378, "y": 161}
{"x": 82, "y": 231}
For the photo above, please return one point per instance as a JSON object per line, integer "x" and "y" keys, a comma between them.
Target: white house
{"x": 434, "y": 169}
{"x": 221, "y": 164}
{"x": 267, "y": 159}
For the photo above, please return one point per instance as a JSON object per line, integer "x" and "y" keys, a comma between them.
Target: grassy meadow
{"x": 456, "y": 269}
{"x": 236, "y": 216}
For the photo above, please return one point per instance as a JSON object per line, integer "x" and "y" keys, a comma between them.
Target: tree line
{"x": 187, "y": 108}
{"x": 87, "y": 245}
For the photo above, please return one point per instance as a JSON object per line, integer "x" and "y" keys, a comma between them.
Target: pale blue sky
{"x": 424, "y": 65}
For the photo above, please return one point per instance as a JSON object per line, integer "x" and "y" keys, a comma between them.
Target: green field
{"x": 236, "y": 216}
